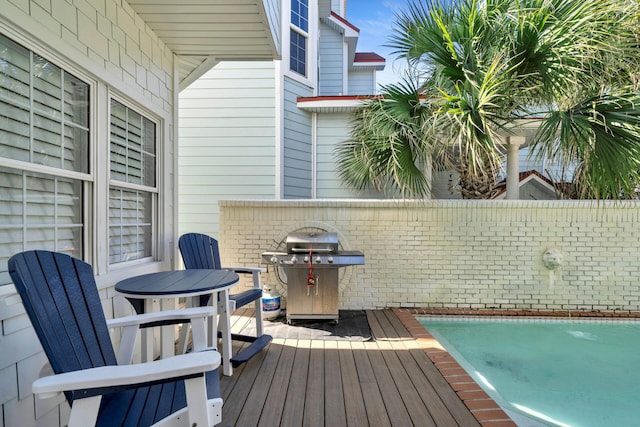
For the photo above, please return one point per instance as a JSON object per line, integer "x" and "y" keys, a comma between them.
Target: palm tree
{"x": 478, "y": 68}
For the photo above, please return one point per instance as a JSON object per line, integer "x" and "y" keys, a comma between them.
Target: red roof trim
{"x": 368, "y": 57}
{"x": 345, "y": 22}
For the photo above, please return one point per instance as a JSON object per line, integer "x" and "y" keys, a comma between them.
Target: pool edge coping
{"x": 486, "y": 411}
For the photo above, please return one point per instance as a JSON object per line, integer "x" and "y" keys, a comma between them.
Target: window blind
{"x": 44, "y": 120}
{"x": 133, "y": 161}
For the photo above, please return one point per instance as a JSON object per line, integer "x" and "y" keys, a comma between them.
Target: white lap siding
{"x": 333, "y": 129}
{"x": 110, "y": 47}
{"x": 361, "y": 83}
{"x": 331, "y": 72}
{"x": 227, "y": 141}
{"x": 297, "y": 159}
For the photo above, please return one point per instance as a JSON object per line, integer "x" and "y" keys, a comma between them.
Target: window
{"x": 300, "y": 14}
{"x": 44, "y": 136}
{"x": 132, "y": 190}
{"x": 298, "y": 50}
{"x": 298, "y": 36}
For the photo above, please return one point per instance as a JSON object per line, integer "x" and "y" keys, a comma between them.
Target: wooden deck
{"x": 387, "y": 381}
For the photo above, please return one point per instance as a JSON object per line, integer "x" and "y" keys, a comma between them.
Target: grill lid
{"x": 324, "y": 242}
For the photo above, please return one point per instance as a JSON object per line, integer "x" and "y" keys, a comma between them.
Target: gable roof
{"x": 524, "y": 178}
{"x": 349, "y": 32}
{"x": 357, "y": 60}
{"x": 368, "y": 57}
{"x": 369, "y": 60}
{"x": 341, "y": 24}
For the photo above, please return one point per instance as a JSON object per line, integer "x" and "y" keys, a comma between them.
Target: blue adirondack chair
{"x": 60, "y": 297}
{"x": 202, "y": 252}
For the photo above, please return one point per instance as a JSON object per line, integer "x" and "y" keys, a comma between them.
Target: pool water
{"x": 550, "y": 372}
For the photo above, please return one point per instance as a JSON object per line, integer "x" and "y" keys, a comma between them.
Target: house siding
{"x": 227, "y": 141}
{"x": 339, "y": 7}
{"x": 556, "y": 171}
{"x": 443, "y": 183}
{"x": 297, "y": 153}
{"x": 331, "y": 62}
{"x": 325, "y": 7}
{"x": 109, "y": 43}
{"x": 334, "y": 128}
{"x": 362, "y": 83}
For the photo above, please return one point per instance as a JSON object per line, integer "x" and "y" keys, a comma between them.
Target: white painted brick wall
{"x": 460, "y": 254}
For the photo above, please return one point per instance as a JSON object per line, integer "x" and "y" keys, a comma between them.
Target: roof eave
{"x": 204, "y": 33}
{"x": 363, "y": 66}
{"x": 346, "y": 29}
{"x": 333, "y": 104}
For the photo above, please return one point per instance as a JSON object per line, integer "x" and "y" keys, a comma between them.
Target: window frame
{"x": 311, "y": 61}
{"x": 102, "y": 87}
{"x": 86, "y": 180}
{"x": 154, "y": 191}
{"x": 302, "y": 34}
{"x": 297, "y": 60}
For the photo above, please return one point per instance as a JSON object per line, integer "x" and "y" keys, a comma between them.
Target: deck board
{"x": 314, "y": 399}
{"x": 445, "y": 393}
{"x": 371, "y": 395}
{"x": 297, "y": 381}
{"x": 274, "y": 405}
{"x": 353, "y": 401}
{"x": 396, "y": 409}
{"x": 399, "y": 330}
{"x": 235, "y": 402}
{"x": 425, "y": 391}
{"x": 250, "y": 414}
{"x": 333, "y": 393}
{"x": 377, "y": 330}
{"x": 294, "y": 403}
{"x": 415, "y": 407}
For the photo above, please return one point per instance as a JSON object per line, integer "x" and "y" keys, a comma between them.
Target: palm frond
{"x": 483, "y": 65}
{"x": 602, "y": 135}
{"x": 386, "y": 149}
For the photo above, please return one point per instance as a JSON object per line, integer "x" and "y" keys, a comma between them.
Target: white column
{"x": 513, "y": 167}
{"x": 428, "y": 174}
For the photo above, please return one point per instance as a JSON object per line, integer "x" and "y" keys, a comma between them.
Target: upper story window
{"x": 299, "y": 35}
{"x": 300, "y": 14}
{"x": 133, "y": 189}
{"x": 44, "y": 155}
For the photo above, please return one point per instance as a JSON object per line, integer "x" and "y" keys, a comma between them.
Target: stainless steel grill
{"x": 311, "y": 264}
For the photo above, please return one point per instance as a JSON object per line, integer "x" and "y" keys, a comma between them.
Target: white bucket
{"x": 270, "y": 304}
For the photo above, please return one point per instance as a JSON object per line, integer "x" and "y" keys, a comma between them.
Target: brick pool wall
{"x": 459, "y": 254}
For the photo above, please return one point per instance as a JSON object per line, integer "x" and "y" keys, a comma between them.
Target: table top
{"x": 177, "y": 283}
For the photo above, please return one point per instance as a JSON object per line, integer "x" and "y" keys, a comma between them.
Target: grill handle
{"x": 306, "y": 250}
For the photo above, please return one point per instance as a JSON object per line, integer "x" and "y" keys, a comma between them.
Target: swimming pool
{"x": 555, "y": 372}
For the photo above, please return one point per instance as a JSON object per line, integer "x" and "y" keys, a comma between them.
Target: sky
{"x": 376, "y": 19}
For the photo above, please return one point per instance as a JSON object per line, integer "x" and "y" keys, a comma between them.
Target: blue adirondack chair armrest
{"x": 130, "y": 325}
{"x": 243, "y": 298}
{"x": 177, "y": 316}
{"x": 240, "y": 299}
{"x": 104, "y": 378}
{"x": 249, "y": 270}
